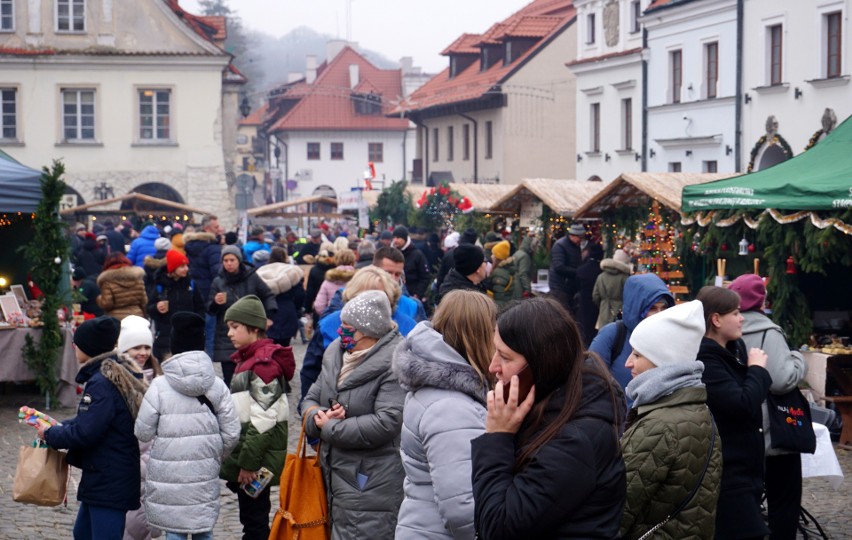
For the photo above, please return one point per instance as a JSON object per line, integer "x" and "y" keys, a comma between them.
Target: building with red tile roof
{"x": 140, "y": 97}
{"x": 333, "y": 122}
{"x": 503, "y": 108}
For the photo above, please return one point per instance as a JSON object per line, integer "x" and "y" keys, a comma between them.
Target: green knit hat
{"x": 249, "y": 311}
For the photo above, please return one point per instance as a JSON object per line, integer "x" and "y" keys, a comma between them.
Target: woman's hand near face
{"x": 505, "y": 417}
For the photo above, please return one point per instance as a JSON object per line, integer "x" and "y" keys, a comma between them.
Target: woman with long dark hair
{"x": 549, "y": 464}
{"x": 737, "y": 383}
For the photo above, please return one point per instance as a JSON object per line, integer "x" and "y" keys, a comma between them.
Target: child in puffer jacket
{"x": 189, "y": 415}
{"x": 258, "y": 391}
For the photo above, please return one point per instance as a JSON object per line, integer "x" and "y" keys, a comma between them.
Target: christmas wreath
{"x": 440, "y": 204}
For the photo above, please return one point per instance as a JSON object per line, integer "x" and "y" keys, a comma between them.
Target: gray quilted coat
{"x": 665, "y": 449}
{"x": 360, "y": 453}
{"x": 190, "y": 441}
{"x": 444, "y": 410}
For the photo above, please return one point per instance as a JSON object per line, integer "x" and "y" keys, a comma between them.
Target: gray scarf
{"x": 662, "y": 381}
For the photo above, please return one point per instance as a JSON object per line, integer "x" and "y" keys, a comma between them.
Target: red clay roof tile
{"x": 473, "y": 83}
{"x": 327, "y": 103}
{"x": 465, "y": 44}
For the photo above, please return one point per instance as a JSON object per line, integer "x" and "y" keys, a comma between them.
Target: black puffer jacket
{"x": 455, "y": 281}
{"x": 182, "y": 295}
{"x": 575, "y": 485}
{"x": 205, "y": 259}
{"x": 734, "y": 394}
{"x": 243, "y": 283}
{"x": 417, "y": 274}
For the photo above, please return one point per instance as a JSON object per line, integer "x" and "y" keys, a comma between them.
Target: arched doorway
{"x": 772, "y": 155}
{"x": 324, "y": 191}
{"x": 152, "y": 189}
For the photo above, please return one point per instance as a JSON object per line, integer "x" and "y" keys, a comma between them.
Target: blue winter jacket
{"x": 252, "y": 246}
{"x": 143, "y": 246}
{"x": 640, "y": 293}
{"x": 100, "y": 440}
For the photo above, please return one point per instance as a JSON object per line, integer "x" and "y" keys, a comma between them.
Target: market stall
{"x": 13, "y": 368}
{"x": 796, "y": 219}
{"x": 134, "y": 204}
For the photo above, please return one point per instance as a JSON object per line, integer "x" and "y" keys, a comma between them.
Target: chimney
{"x": 293, "y": 76}
{"x": 310, "y": 69}
{"x": 353, "y": 76}
{"x": 406, "y": 63}
{"x": 333, "y": 48}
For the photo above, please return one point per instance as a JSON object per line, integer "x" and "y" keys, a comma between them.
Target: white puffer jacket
{"x": 444, "y": 411}
{"x": 190, "y": 441}
{"x": 280, "y": 277}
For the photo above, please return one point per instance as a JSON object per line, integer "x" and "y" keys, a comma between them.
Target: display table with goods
{"x": 823, "y": 462}
{"x": 13, "y": 367}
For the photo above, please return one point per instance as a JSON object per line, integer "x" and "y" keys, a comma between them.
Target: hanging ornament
{"x": 751, "y": 248}
{"x": 724, "y": 247}
{"x": 57, "y": 260}
{"x": 791, "y": 265}
{"x": 743, "y": 247}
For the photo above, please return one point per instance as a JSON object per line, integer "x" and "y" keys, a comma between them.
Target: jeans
{"x": 209, "y": 333}
{"x": 194, "y": 536}
{"x": 99, "y": 523}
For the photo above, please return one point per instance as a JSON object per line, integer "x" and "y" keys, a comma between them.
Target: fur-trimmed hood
{"x": 614, "y": 267}
{"x": 153, "y": 263}
{"x": 280, "y": 277}
{"x": 124, "y": 374}
{"x": 424, "y": 359}
{"x": 327, "y": 260}
{"x": 340, "y": 274}
{"x": 506, "y": 262}
{"x": 126, "y": 275}
{"x": 200, "y": 236}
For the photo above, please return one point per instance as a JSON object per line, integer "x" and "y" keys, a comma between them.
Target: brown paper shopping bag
{"x": 41, "y": 477}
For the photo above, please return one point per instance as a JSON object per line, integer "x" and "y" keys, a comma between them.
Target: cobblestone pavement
{"x": 833, "y": 509}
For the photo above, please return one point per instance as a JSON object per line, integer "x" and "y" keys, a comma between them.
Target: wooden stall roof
{"x": 95, "y": 207}
{"x": 276, "y": 208}
{"x": 630, "y": 189}
{"x": 482, "y": 196}
{"x": 562, "y": 196}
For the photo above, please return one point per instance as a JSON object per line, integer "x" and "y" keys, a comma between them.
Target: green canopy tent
{"x": 796, "y": 217}
{"x": 819, "y": 179}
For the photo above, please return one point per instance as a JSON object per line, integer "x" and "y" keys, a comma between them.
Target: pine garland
{"x": 48, "y": 245}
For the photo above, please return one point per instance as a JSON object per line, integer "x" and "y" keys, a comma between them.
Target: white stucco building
{"x": 132, "y": 96}
{"x": 692, "y": 85}
{"x": 796, "y": 64}
{"x": 329, "y": 125}
{"x": 503, "y": 110}
{"x": 610, "y": 87}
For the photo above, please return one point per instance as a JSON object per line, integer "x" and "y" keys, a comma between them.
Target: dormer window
{"x": 490, "y": 55}
{"x": 367, "y": 104}
{"x": 514, "y": 48}
{"x": 460, "y": 62}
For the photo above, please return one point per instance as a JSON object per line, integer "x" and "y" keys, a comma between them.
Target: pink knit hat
{"x": 752, "y": 291}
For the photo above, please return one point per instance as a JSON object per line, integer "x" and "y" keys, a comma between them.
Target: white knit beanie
{"x": 672, "y": 336}
{"x": 135, "y": 331}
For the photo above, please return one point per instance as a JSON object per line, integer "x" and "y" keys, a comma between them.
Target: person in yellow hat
{"x": 501, "y": 283}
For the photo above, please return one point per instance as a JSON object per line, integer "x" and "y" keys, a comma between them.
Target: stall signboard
{"x": 531, "y": 213}
{"x": 349, "y": 200}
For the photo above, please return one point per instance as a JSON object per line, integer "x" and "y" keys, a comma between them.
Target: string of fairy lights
{"x": 7, "y": 220}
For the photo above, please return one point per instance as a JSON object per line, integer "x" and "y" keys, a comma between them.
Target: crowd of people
{"x": 449, "y": 401}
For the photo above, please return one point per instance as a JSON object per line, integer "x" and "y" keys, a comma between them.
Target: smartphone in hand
{"x": 525, "y": 382}
{"x": 332, "y": 403}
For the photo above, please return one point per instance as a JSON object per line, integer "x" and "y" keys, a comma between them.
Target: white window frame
{"x": 822, "y": 13}
{"x": 3, "y": 114}
{"x": 627, "y": 123}
{"x": 591, "y": 28}
{"x": 376, "y": 149}
{"x": 11, "y": 5}
{"x": 79, "y": 115}
{"x": 71, "y": 16}
{"x": 595, "y": 127}
{"x": 705, "y": 61}
{"x": 670, "y": 74}
{"x": 154, "y": 139}
{"x": 633, "y": 16}
{"x": 768, "y": 24}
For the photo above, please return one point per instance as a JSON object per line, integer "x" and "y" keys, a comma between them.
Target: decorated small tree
{"x": 438, "y": 206}
{"x": 46, "y": 255}
{"x": 658, "y": 253}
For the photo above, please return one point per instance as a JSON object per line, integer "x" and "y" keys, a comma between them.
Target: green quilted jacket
{"x": 665, "y": 449}
{"x": 263, "y": 412}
